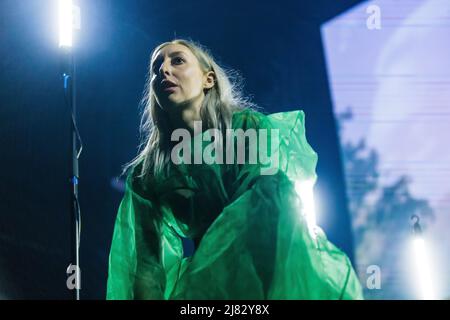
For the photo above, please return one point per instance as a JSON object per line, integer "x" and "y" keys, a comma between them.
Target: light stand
{"x": 66, "y": 22}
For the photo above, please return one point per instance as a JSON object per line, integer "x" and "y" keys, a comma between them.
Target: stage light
{"x": 423, "y": 276}
{"x": 66, "y": 20}
{"x": 305, "y": 190}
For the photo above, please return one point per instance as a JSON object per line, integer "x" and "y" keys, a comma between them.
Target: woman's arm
{"x": 135, "y": 271}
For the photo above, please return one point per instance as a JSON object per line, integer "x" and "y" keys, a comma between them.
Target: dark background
{"x": 276, "y": 46}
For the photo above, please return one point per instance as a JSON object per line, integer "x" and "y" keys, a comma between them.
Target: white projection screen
{"x": 388, "y": 66}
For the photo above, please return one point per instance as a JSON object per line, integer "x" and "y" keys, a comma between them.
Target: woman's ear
{"x": 210, "y": 80}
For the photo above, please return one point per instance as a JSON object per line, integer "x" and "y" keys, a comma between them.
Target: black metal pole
{"x": 68, "y": 73}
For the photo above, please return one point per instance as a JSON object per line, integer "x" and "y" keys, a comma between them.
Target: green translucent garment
{"x": 251, "y": 236}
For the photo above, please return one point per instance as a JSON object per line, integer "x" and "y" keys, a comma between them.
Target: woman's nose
{"x": 165, "y": 67}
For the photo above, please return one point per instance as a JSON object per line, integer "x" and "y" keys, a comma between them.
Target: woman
{"x": 223, "y": 229}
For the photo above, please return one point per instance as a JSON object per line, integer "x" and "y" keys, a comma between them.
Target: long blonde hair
{"x": 217, "y": 109}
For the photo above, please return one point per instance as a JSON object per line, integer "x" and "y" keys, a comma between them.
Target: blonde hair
{"x": 217, "y": 109}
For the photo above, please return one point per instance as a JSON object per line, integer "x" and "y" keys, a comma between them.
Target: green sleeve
{"x": 135, "y": 271}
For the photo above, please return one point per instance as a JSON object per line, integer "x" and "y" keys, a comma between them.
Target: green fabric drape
{"x": 252, "y": 239}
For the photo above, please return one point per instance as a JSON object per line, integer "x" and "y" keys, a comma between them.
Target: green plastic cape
{"x": 252, "y": 239}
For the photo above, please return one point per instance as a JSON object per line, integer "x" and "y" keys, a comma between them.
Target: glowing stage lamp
{"x": 423, "y": 276}
{"x": 305, "y": 190}
{"x": 66, "y": 20}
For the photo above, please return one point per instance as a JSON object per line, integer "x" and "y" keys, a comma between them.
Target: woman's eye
{"x": 178, "y": 60}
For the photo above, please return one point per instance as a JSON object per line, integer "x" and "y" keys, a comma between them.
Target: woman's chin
{"x": 170, "y": 104}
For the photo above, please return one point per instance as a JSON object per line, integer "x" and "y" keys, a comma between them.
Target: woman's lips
{"x": 169, "y": 89}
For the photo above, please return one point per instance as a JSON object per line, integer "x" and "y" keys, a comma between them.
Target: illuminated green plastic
{"x": 252, "y": 238}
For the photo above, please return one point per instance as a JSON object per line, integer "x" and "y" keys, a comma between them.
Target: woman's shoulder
{"x": 249, "y": 118}
{"x": 138, "y": 182}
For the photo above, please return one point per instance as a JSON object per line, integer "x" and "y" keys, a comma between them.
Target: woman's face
{"x": 175, "y": 63}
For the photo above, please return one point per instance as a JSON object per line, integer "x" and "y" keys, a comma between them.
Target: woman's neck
{"x": 184, "y": 116}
